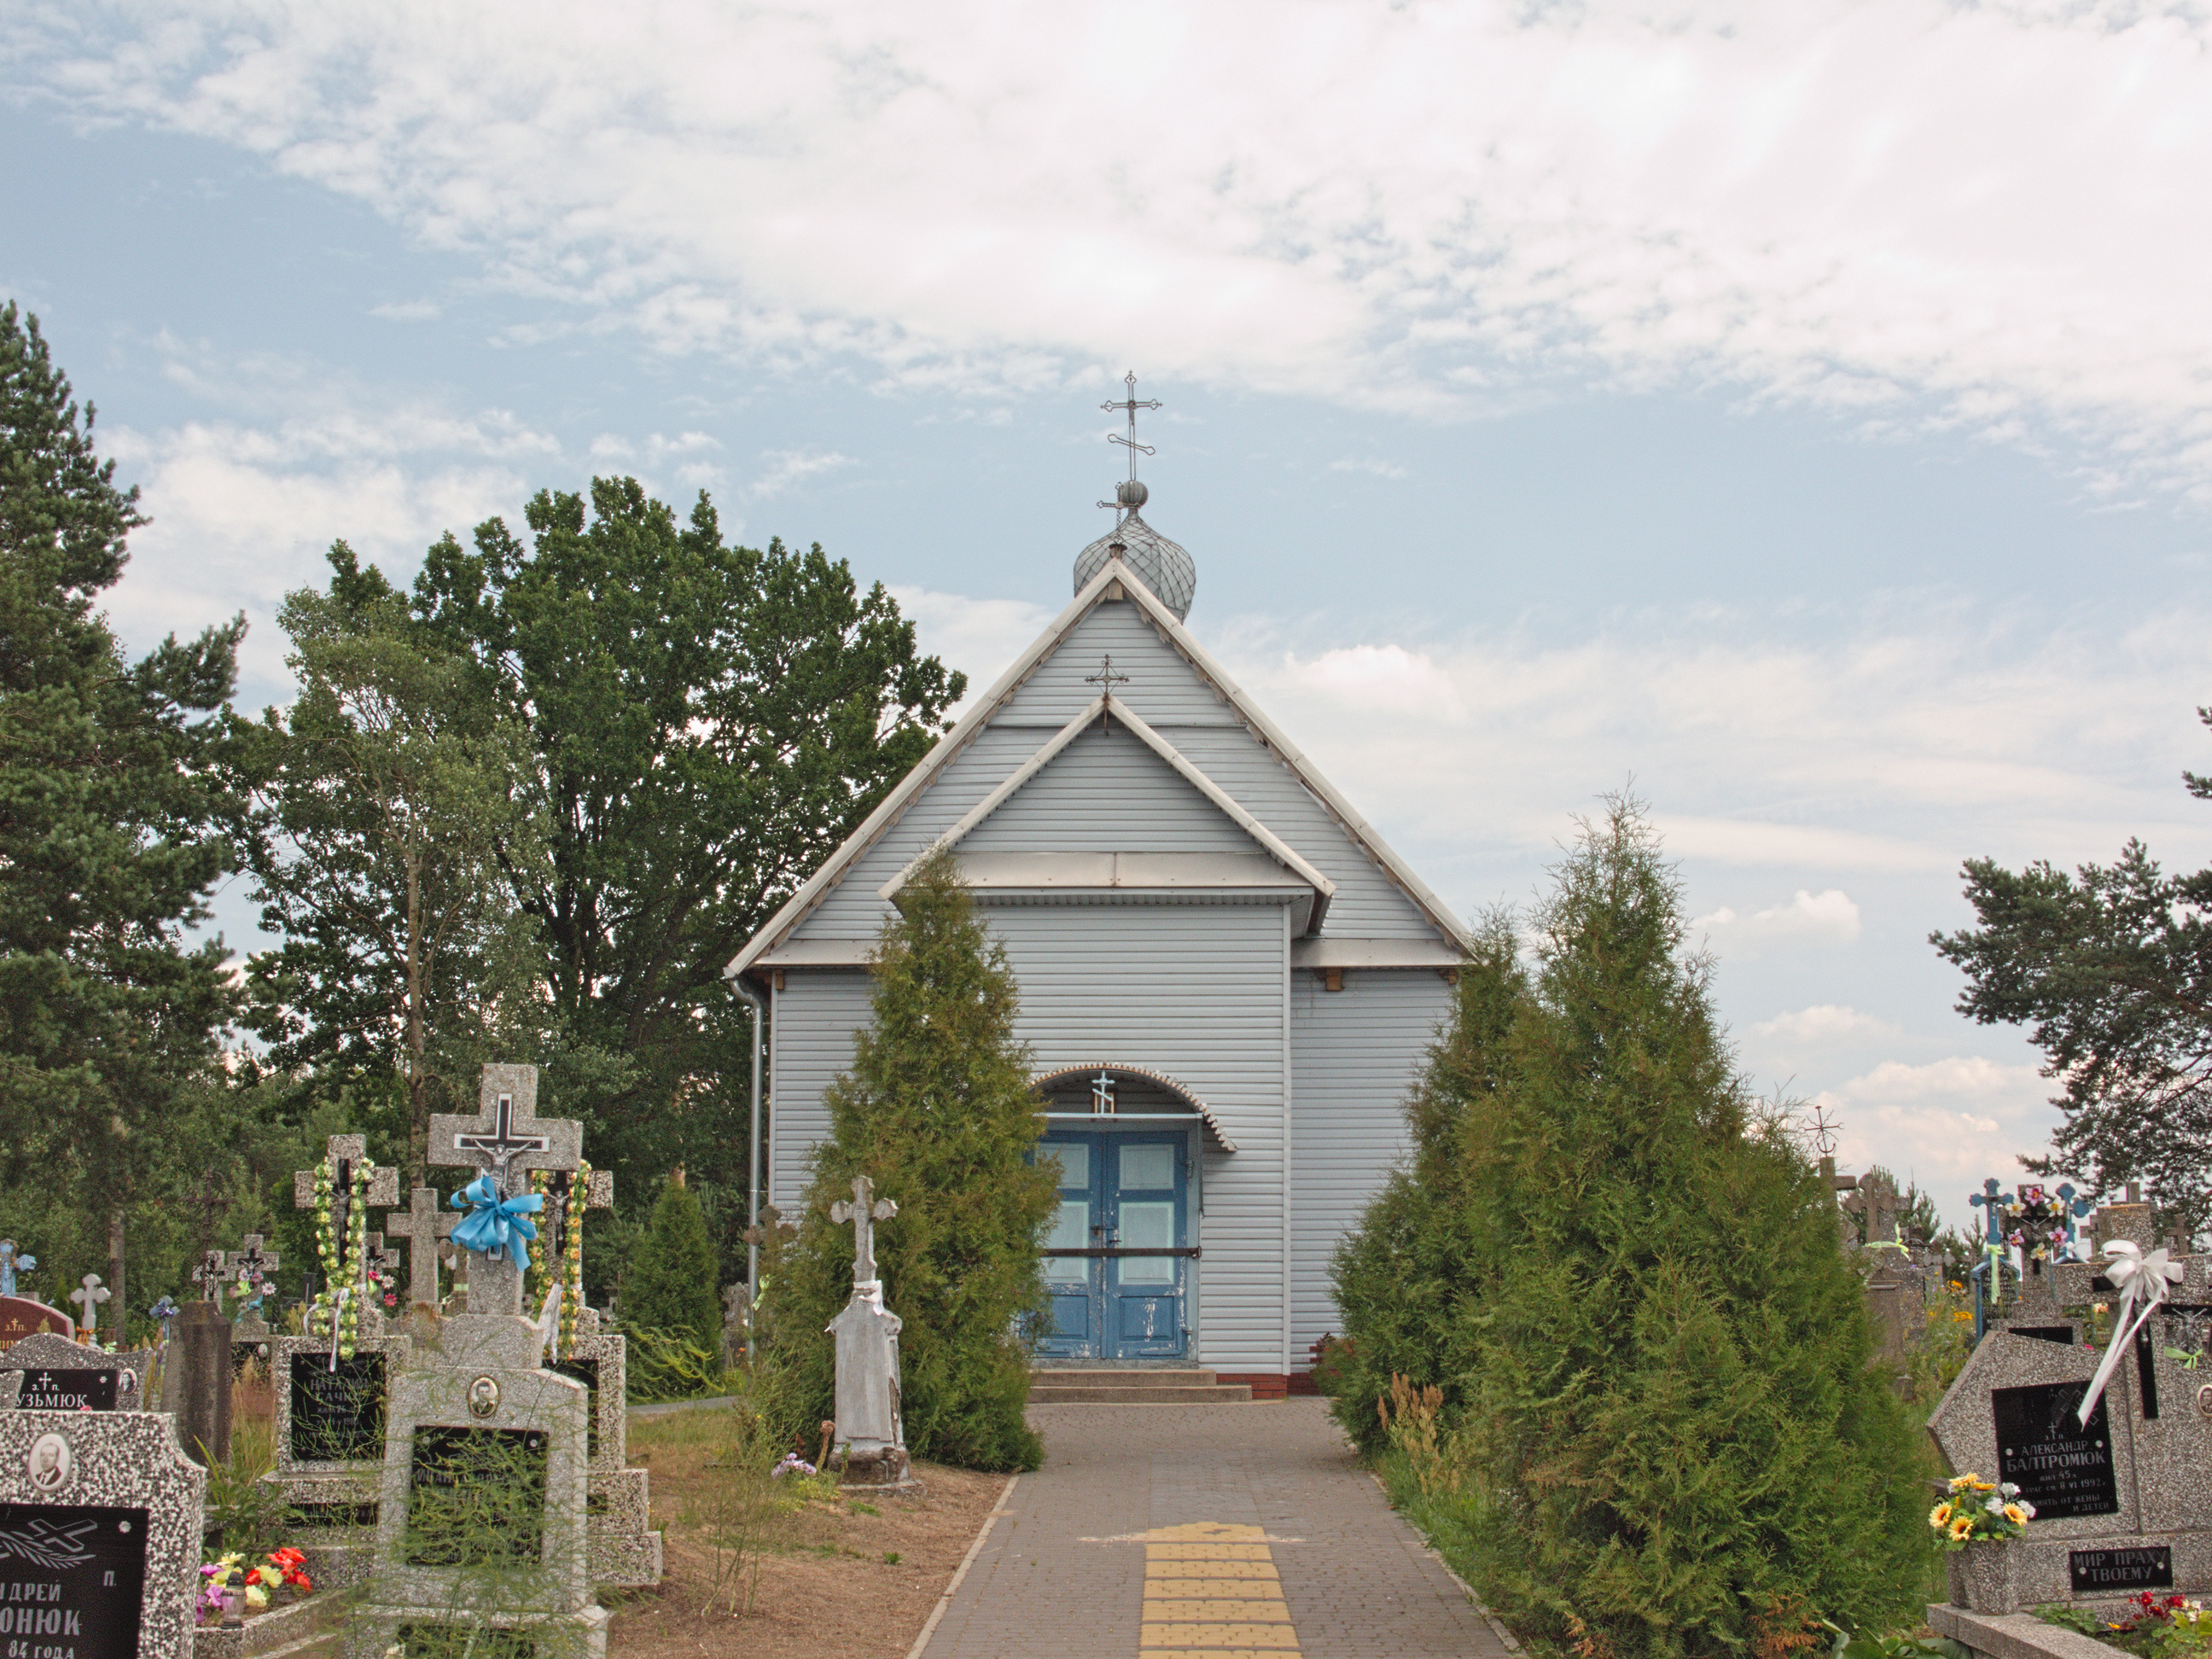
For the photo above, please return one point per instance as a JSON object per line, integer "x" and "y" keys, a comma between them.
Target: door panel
{"x": 1127, "y": 1190}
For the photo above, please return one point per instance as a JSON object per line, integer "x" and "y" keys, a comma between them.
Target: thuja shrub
{"x": 1663, "y": 1425}
{"x": 1403, "y": 1275}
{"x": 937, "y": 1111}
{"x": 672, "y": 1284}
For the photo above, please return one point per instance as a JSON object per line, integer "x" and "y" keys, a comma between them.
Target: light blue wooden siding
{"x": 1108, "y": 794}
{"x": 1194, "y": 992}
{"x": 1161, "y": 687}
{"x": 1355, "y": 1055}
{"x": 1367, "y": 905}
{"x": 851, "y": 910}
{"x": 816, "y": 1013}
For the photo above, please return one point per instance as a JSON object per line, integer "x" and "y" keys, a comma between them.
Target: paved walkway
{"x": 1228, "y": 1532}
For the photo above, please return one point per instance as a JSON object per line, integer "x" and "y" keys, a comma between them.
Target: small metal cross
{"x": 1129, "y": 404}
{"x": 865, "y": 1209}
{"x": 1106, "y": 679}
{"x": 1102, "y": 1095}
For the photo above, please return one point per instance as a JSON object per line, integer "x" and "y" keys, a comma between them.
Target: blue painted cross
{"x": 11, "y": 1263}
{"x": 2071, "y": 1210}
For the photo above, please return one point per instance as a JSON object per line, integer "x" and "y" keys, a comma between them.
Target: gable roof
{"x": 1114, "y": 580}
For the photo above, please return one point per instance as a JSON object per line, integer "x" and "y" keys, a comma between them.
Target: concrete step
{"x": 1164, "y": 1386}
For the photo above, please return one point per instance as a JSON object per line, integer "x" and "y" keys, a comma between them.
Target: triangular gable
{"x": 1113, "y": 581}
{"x": 1104, "y": 709}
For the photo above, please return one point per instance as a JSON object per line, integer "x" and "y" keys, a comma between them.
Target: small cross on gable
{"x": 507, "y": 1139}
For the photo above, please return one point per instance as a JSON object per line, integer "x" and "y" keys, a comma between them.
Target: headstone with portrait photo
{"x": 101, "y": 1517}
{"x": 45, "y": 1351}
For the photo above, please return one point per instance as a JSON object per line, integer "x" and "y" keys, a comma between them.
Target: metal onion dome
{"x": 1161, "y": 565}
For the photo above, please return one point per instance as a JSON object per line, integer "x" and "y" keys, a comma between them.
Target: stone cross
{"x": 91, "y": 1293}
{"x": 505, "y": 1139}
{"x": 346, "y": 1151}
{"x": 12, "y": 1262}
{"x": 421, "y": 1224}
{"x": 209, "y": 1275}
{"x": 252, "y": 1265}
{"x": 863, "y": 1213}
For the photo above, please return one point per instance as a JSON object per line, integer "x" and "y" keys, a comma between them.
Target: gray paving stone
{"x": 1063, "y": 1571}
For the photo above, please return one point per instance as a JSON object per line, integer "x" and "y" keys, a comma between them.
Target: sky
{"x": 1799, "y": 412}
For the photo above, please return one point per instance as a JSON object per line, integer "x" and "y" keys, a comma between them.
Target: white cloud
{"x": 1912, "y": 210}
{"x": 1385, "y": 679}
{"x": 786, "y": 467}
{"x": 979, "y": 637}
{"x": 1829, "y": 918}
{"x": 1947, "y": 1125}
{"x": 408, "y": 311}
{"x": 1822, "y": 1025}
{"x": 1379, "y": 469}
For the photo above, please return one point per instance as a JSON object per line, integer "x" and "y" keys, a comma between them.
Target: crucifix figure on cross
{"x": 209, "y": 1275}
{"x": 863, "y": 1213}
{"x": 504, "y": 1141}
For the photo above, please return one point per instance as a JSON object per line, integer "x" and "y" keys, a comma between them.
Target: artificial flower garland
{"x": 335, "y": 1248}
{"x": 570, "y": 1272}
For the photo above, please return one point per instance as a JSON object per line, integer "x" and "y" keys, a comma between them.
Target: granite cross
{"x": 863, "y": 1213}
{"x": 344, "y": 1153}
{"x": 421, "y": 1224}
{"x": 12, "y": 1262}
{"x": 91, "y": 1293}
{"x": 505, "y": 1139}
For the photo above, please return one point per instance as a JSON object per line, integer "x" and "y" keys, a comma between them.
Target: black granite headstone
{"x": 2060, "y": 1467}
{"x": 2102, "y": 1572}
{"x": 2062, "y": 1333}
{"x": 71, "y": 1580}
{"x": 69, "y": 1390}
{"x": 337, "y": 1416}
{"x": 476, "y": 1497}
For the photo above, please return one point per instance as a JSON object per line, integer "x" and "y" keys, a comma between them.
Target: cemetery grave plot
{"x": 825, "y": 1591}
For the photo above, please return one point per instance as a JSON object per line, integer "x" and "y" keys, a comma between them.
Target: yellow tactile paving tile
{"x": 1219, "y": 1653}
{"x": 1234, "y": 1613}
{"x": 1170, "y": 1589}
{"x": 1272, "y": 1638}
{"x": 1211, "y": 1571}
{"x": 1207, "y": 1552}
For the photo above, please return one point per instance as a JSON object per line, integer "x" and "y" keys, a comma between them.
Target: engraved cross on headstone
{"x": 11, "y": 1261}
{"x": 863, "y": 1212}
{"x": 421, "y": 1224}
{"x": 506, "y": 1139}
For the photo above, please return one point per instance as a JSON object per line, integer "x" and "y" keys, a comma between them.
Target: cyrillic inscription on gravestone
{"x": 71, "y": 1580}
{"x": 20, "y": 1317}
{"x": 2099, "y": 1572}
{"x": 76, "y": 1390}
{"x": 2060, "y": 1467}
{"x": 476, "y": 1497}
{"x": 337, "y": 1415}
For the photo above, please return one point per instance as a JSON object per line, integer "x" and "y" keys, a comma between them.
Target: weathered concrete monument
{"x": 871, "y": 1438}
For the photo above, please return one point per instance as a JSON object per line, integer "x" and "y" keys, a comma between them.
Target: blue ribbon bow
{"x": 494, "y": 1224}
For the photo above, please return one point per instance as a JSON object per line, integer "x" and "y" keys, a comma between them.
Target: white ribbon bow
{"x": 2143, "y": 1281}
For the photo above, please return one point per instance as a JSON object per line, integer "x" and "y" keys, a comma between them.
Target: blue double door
{"x": 1122, "y": 1199}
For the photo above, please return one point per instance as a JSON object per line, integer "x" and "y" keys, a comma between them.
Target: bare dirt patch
{"x": 827, "y": 1585}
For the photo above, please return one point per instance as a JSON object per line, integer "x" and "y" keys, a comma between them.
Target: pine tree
{"x": 673, "y": 1282}
{"x": 107, "y": 840}
{"x": 1668, "y": 1437}
{"x": 937, "y": 1112}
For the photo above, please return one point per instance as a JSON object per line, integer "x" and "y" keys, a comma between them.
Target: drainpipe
{"x": 753, "y": 1178}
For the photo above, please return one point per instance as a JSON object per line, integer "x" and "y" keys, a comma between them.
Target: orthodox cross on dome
{"x": 1106, "y": 679}
{"x": 865, "y": 1210}
{"x": 1130, "y": 495}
